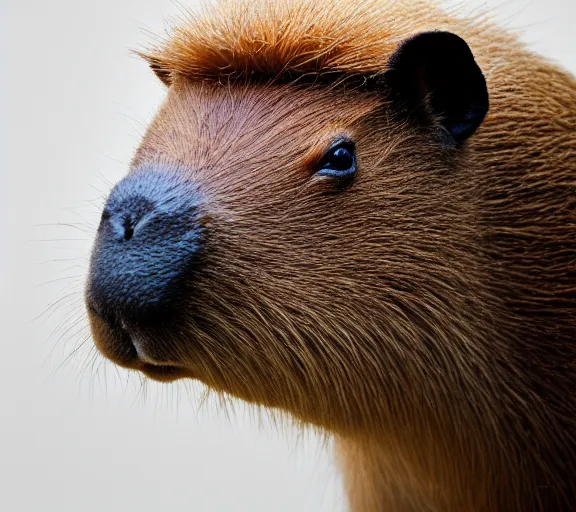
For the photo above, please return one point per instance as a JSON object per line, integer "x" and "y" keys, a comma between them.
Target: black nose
{"x": 148, "y": 244}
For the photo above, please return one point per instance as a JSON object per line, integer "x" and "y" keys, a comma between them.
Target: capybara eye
{"x": 339, "y": 161}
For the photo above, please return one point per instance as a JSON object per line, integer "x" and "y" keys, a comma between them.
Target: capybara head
{"x": 299, "y": 227}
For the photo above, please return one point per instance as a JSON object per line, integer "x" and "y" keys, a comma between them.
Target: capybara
{"x": 362, "y": 213}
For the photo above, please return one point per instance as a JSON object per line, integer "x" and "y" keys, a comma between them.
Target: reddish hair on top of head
{"x": 281, "y": 39}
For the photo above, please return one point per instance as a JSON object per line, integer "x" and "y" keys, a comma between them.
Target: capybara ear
{"x": 433, "y": 75}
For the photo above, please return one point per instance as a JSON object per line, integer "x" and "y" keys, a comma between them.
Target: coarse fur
{"x": 424, "y": 315}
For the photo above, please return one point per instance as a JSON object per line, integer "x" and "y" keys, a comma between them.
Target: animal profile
{"x": 361, "y": 213}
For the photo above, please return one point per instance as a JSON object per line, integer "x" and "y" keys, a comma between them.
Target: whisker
{"x": 69, "y": 356}
{"x": 61, "y": 260}
{"x": 52, "y": 307}
{"x": 80, "y": 227}
{"x": 60, "y": 279}
{"x": 53, "y": 240}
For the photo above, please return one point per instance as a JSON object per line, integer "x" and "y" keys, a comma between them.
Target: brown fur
{"x": 425, "y": 315}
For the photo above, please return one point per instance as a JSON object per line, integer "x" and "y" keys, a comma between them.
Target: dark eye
{"x": 339, "y": 161}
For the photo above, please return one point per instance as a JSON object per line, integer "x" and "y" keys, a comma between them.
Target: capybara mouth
{"x": 116, "y": 341}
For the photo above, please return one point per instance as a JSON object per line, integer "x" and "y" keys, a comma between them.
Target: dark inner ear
{"x": 433, "y": 75}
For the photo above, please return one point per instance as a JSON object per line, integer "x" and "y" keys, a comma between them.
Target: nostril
{"x": 129, "y": 225}
{"x": 128, "y": 233}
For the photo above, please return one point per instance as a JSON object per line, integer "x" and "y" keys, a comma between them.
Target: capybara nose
{"x": 148, "y": 244}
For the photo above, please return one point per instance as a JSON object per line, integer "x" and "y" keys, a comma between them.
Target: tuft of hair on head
{"x": 283, "y": 40}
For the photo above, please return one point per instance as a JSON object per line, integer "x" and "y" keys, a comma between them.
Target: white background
{"x": 75, "y": 433}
